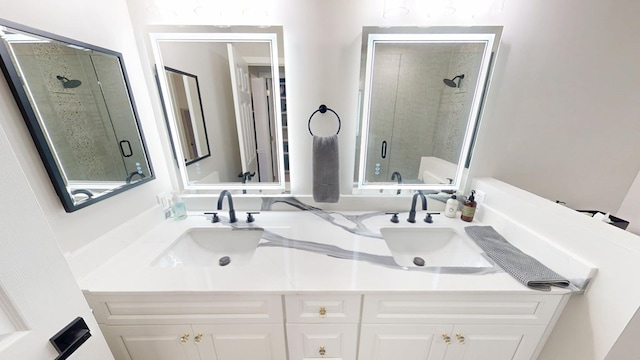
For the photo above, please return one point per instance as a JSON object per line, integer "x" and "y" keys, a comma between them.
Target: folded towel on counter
{"x": 326, "y": 169}
{"x": 516, "y": 263}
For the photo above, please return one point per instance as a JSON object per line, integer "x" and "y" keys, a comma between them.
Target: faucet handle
{"x": 214, "y": 216}
{"x": 428, "y": 218}
{"x": 394, "y": 218}
{"x": 250, "y": 217}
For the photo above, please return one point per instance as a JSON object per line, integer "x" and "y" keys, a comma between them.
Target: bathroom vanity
{"x": 318, "y": 285}
{"x": 449, "y": 325}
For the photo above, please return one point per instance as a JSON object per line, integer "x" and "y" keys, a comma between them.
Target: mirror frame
{"x": 28, "y": 112}
{"x": 269, "y": 37}
{"x": 168, "y": 69}
{"x": 428, "y": 36}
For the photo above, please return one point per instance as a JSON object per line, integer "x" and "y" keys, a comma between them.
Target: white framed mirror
{"x": 240, "y": 76}
{"x": 422, "y": 91}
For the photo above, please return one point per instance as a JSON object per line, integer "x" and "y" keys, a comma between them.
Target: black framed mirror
{"x": 187, "y": 102}
{"x": 76, "y": 101}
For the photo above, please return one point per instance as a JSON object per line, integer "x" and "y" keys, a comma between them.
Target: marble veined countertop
{"x": 300, "y": 251}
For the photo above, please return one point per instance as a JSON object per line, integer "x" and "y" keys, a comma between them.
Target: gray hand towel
{"x": 326, "y": 169}
{"x": 516, "y": 263}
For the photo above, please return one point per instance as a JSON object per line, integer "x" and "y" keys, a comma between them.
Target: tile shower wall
{"x": 455, "y": 103}
{"x": 76, "y": 124}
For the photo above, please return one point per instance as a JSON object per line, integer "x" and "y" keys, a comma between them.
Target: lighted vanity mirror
{"x": 76, "y": 101}
{"x": 240, "y": 77}
{"x": 422, "y": 93}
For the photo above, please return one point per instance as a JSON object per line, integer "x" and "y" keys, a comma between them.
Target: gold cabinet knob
{"x": 322, "y": 351}
{"x": 198, "y": 338}
{"x": 184, "y": 338}
{"x": 446, "y": 338}
{"x": 460, "y": 338}
{"x": 323, "y": 311}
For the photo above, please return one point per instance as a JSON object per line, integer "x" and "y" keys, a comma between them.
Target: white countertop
{"x": 289, "y": 270}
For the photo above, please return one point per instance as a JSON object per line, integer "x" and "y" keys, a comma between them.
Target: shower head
{"x": 69, "y": 84}
{"x": 452, "y": 82}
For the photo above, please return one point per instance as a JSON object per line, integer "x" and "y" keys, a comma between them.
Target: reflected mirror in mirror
{"x": 76, "y": 101}
{"x": 422, "y": 97}
{"x": 185, "y": 97}
{"x": 243, "y": 101}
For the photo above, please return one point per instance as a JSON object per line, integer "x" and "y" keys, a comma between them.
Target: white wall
{"x": 105, "y": 24}
{"x": 561, "y": 120}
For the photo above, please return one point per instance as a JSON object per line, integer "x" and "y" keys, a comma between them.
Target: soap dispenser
{"x": 451, "y": 207}
{"x": 469, "y": 208}
{"x": 178, "y": 209}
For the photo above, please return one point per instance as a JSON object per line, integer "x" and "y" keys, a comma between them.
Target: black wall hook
{"x": 323, "y": 109}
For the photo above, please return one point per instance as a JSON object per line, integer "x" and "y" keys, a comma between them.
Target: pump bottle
{"x": 469, "y": 208}
{"x": 178, "y": 209}
{"x": 451, "y": 207}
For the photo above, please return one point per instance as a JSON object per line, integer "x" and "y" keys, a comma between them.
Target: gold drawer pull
{"x": 322, "y": 351}
{"x": 198, "y": 338}
{"x": 446, "y": 338}
{"x": 461, "y": 338}
{"x": 184, "y": 338}
{"x": 323, "y": 311}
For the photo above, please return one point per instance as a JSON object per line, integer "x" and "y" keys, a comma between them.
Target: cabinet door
{"x": 151, "y": 342}
{"x": 328, "y": 341}
{"x": 494, "y": 342}
{"x": 241, "y": 341}
{"x": 405, "y": 341}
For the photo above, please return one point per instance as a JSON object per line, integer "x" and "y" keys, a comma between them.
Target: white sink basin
{"x": 436, "y": 246}
{"x": 212, "y": 247}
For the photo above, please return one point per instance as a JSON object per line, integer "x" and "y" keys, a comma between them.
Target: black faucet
{"x": 399, "y": 176}
{"x": 132, "y": 175}
{"x": 232, "y": 211}
{"x": 412, "y": 212}
{"x": 246, "y": 176}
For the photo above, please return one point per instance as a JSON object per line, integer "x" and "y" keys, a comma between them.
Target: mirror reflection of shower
{"x": 452, "y": 82}
{"x": 69, "y": 84}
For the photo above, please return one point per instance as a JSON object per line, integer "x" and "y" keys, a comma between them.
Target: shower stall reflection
{"x": 85, "y": 124}
{"x": 413, "y": 115}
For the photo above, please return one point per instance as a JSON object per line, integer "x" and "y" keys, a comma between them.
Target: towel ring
{"x": 323, "y": 109}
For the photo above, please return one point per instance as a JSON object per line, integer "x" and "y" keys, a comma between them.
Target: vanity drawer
{"x": 472, "y": 308}
{"x": 322, "y": 309}
{"x": 318, "y": 341}
{"x": 185, "y": 308}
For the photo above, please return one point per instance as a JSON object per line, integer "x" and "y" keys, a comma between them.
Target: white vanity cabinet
{"x": 456, "y": 326}
{"x": 436, "y": 326}
{"x": 191, "y": 326}
{"x": 322, "y": 326}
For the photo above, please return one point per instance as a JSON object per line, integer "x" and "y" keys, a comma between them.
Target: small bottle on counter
{"x": 452, "y": 207}
{"x": 469, "y": 208}
{"x": 178, "y": 209}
